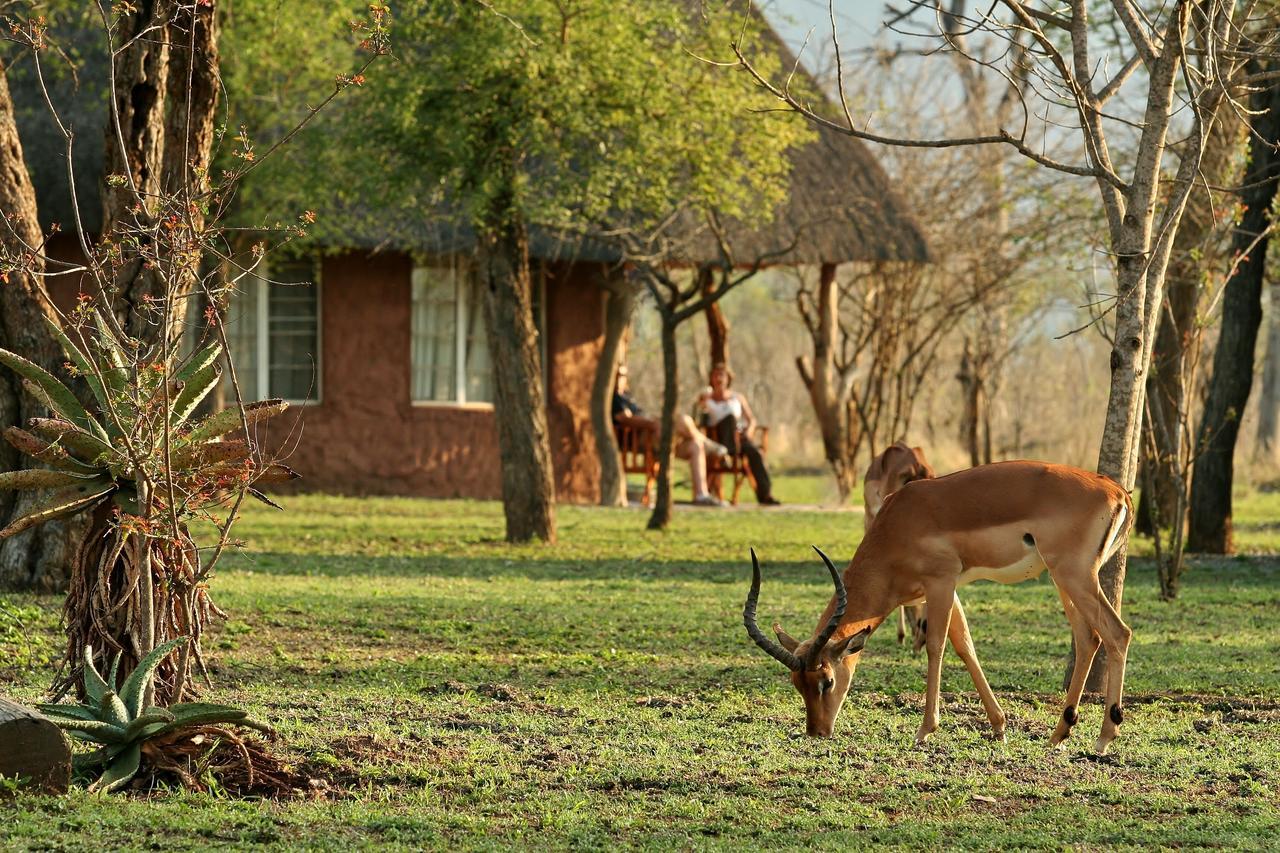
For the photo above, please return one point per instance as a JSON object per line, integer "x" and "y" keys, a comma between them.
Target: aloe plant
{"x": 116, "y": 720}
{"x": 141, "y": 467}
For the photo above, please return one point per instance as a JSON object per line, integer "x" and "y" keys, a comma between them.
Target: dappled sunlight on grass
{"x": 453, "y": 689}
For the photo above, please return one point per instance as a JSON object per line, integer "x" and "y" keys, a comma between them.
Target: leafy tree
{"x": 577, "y": 116}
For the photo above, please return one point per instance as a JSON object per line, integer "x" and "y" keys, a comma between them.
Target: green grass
{"x": 458, "y": 691}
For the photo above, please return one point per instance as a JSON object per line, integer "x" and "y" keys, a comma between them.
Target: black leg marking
{"x": 1070, "y": 716}
{"x": 1117, "y": 715}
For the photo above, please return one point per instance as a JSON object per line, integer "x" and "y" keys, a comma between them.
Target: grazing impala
{"x": 1006, "y": 522}
{"x": 896, "y": 466}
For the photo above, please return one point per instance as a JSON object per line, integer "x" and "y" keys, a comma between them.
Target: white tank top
{"x": 718, "y": 410}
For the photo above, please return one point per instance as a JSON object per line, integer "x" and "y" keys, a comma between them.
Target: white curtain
{"x": 434, "y": 324}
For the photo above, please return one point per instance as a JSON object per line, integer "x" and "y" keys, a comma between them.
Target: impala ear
{"x": 851, "y": 644}
{"x": 788, "y": 642}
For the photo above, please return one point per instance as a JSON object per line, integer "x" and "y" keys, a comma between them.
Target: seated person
{"x": 729, "y": 417}
{"x": 689, "y": 442}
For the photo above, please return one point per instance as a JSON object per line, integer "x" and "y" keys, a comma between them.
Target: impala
{"x": 1006, "y": 522}
{"x": 897, "y": 465}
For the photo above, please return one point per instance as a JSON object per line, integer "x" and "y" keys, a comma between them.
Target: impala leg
{"x": 1102, "y": 618}
{"x": 963, "y": 644}
{"x": 938, "y": 612}
{"x": 1087, "y": 642}
{"x": 902, "y": 624}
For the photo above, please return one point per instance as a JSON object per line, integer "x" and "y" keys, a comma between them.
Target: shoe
{"x": 717, "y": 449}
{"x": 770, "y": 501}
{"x": 708, "y": 500}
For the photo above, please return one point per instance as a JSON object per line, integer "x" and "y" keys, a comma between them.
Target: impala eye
{"x": 826, "y": 684}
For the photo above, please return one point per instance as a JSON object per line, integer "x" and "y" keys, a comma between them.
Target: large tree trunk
{"x": 828, "y": 390}
{"x": 39, "y": 558}
{"x": 1177, "y": 337}
{"x": 620, "y": 304}
{"x": 1210, "y": 529}
{"x": 528, "y": 492}
{"x": 160, "y": 136}
{"x": 661, "y": 515}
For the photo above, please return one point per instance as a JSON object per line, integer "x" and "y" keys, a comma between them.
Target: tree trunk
{"x": 717, "y": 325}
{"x": 38, "y": 558}
{"x": 1267, "y": 449}
{"x": 661, "y": 515}
{"x": 1178, "y": 337}
{"x": 161, "y": 137}
{"x": 971, "y": 388}
{"x": 528, "y": 491}
{"x": 620, "y": 304}
{"x": 1210, "y": 529}
{"x": 33, "y": 750}
{"x": 827, "y": 391}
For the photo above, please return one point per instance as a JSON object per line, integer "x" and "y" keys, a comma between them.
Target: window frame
{"x": 460, "y": 317}
{"x": 262, "y": 335}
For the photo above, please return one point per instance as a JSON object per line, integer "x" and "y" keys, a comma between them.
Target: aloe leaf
{"x": 195, "y": 390}
{"x": 94, "y": 686}
{"x": 60, "y": 397}
{"x": 85, "y": 760}
{"x": 276, "y": 472}
{"x": 50, "y": 454}
{"x": 112, "y": 709}
{"x": 115, "y": 668}
{"x": 138, "y": 680}
{"x": 121, "y": 770}
{"x": 62, "y": 503}
{"x": 266, "y": 500}
{"x": 68, "y": 712}
{"x": 82, "y": 363}
{"x": 82, "y": 445}
{"x": 36, "y": 478}
{"x": 214, "y": 453}
{"x": 155, "y": 719}
{"x": 198, "y": 362}
{"x": 223, "y": 422}
{"x": 94, "y": 730}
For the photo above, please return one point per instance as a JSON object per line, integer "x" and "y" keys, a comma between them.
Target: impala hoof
{"x": 998, "y": 736}
{"x": 1100, "y": 746}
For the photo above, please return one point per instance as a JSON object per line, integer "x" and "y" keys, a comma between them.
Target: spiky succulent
{"x": 120, "y": 725}
{"x": 104, "y": 457}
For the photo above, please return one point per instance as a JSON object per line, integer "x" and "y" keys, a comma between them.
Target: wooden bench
{"x": 639, "y": 455}
{"x": 734, "y": 465}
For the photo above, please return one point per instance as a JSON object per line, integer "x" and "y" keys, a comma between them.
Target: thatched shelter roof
{"x": 841, "y": 205}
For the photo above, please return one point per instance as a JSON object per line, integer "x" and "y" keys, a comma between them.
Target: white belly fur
{"x": 1024, "y": 570}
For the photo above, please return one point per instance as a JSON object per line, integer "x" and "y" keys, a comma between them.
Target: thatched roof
{"x": 841, "y": 205}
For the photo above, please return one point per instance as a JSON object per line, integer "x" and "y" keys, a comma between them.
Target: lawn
{"x": 452, "y": 690}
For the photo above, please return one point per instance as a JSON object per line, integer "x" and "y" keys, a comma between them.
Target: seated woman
{"x": 731, "y": 421}
{"x": 689, "y": 442}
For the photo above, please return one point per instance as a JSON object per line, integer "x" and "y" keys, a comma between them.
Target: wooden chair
{"x": 734, "y": 465}
{"x": 639, "y": 454}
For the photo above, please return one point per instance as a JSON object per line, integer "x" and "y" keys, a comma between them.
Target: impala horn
{"x": 774, "y": 650}
{"x": 841, "y": 600}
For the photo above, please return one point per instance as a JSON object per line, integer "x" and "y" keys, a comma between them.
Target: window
{"x": 450, "y": 357}
{"x": 273, "y": 326}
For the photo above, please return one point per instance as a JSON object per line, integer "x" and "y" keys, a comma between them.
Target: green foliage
{"x": 119, "y": 724}
{"x": 561, "y": 114}
{"x": 108, "y": 456}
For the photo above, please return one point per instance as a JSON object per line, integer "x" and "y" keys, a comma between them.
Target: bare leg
{"x": 692, "y": 451}
{"x": 963, "y": 644}
{"x": 938, "y": 608}
{"x": 902, "y": 624}
{"x": 1086, "y": 643}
